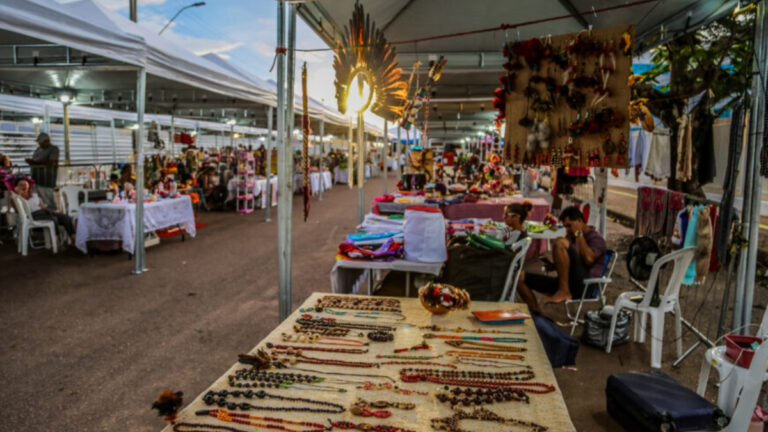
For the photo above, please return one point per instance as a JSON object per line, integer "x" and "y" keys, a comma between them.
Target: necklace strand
{"x": 242, "y": 418}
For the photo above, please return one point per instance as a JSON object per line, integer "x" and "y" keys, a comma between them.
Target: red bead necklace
{"x": 243, "y": 418}
{"x": 299, "y": 348}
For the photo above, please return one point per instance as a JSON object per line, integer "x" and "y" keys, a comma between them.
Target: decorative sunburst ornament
{"x": 364, "y": 53}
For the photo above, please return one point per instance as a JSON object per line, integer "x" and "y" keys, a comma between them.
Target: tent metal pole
{"x": 67, "y": 159}
{"x": 756, "y": 141}
{"x": 173, "y": 135}
{"x": 398, "y": 150}
{"x": 114, "y": 142}
{"x": 232, "y": 137}
{"x": 132, "y": 10}
{"x": 285, "y": 159}
{"x": 138, "y": 257}
{"x": 384, "y": 152}
{"x": 322, "y": 152}
{"x": 360, "y": 169}
{"x": 350, "y": 155}
{"x": 268, "y": 188}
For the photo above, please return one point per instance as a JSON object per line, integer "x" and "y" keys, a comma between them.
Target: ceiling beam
{"x": 397, "y": 15}
{"x": 572, "y": 10}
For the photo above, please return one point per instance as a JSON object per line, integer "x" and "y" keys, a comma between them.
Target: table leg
{"x": 370, "y": 282}
{"x": 407, "y": 284}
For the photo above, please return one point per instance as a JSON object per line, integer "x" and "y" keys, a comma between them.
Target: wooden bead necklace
{"x": 498, "y": 364}
{"x": 470, "y": 396}
{"x": 266, "y": 379}
{"x": 200, "y": 427}
{"x": 477, "y": 338}
{"x": 320, "y": 330}
{"x": 523, "y": 375}
{"x": 359, "y": 303}
{"x": 484, "y": 346}
{"x": 477, "y": 354}
{"x": 300, "y": 348}
{"x": 328, "y": 322}
{"x": 390, "y": 387}
{"x": 422, "y": 346}
{"x": 512, "y": 383}
{"x": 211, "y": 398}
{"x": 417, "y": 363}
{"x": 275, "y": 423}
{"x": 381, "y": 336}
{"x": 293, "y": 357}
{"x": 315, "y": 338}
{"x": 436, "y": 328}
{"x": 451, "y": 424}
{"x": 367, "y": 427}
{"x": 367, "y": 376}
{"x": 362, "y": 408}
{"x": 323, "y": 310}
{"x": 402, "y": 357}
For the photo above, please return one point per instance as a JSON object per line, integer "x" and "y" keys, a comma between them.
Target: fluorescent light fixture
{"x": 135, "y": 126}
{"x": 232, "y": 122}
{"x": 36, "y": 120}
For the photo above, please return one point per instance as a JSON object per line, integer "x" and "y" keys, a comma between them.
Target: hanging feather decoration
{"x": 363, "y": 50}
{"x": 435, "y": 72}
{"x": 305, "y": 147}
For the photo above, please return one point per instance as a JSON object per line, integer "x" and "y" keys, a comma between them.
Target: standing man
{"x": 44, "y": 164}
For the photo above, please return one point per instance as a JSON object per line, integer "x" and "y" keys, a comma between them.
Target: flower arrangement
{"x": 441, "y": 298}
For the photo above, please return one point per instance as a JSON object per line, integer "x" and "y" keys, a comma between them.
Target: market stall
{"x": 330, "y": 396}
{"x": 115, "y": 221}
{"x": 493, "y": 208}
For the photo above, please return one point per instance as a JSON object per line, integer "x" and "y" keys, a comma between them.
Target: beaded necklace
{"x": 476, "y": 354}
{"x": 436, "y": 328}
{"x": 477, "y": 338}
{"x": 367, "y": 427}
{"x": 320, "y": 330}
{"x": 210, "y": 399}
{"x": 316, "y": 338}
{"x": 361, "y": 407}
{"x": 297, "y": 357}
{"x": 422, "y": 346}
{"x": 417, "y": 362}
{"x": 470, "y": 396}
{"x": 300, "y": 348}
{"x": 342, "y": 373}
{"x": 484, "y": 346}
{"x": 451, "y": 424}
{"x": 512, "y": 382}
{"x": 200, "y": 427}
{"x": 403, "y": 357}
{"x": 249, "y": 378}
{"x": 359, "y": 303}
{"x": 390, "y": 387}
{"x": 245, "y": 419}
{"x": 499, "y": 364}
{"x": 325, "y": 323}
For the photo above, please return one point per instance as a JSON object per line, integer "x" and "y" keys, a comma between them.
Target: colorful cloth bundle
{"x": 389, "y": 251}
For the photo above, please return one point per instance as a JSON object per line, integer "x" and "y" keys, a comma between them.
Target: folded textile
{"x": 389, "y": 251}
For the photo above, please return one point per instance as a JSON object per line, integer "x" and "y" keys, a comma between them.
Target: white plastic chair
{"x": 25, "y": 224}
{"x": 732, "y": 377}
{"x": 69, "y": 198}
{"x": 513, "y": 274}
{"x": 594, "y": 212}
{"x": 590, "y": 285}
{"x": 680, "y": 259}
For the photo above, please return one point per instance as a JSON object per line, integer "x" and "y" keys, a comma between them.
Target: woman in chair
{"x": 515, "y": 215}
{"x": 40, "y": 212}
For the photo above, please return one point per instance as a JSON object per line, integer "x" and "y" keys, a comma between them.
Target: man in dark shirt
{"x": 578, "y": 256}
{"x": 44, "y": 165}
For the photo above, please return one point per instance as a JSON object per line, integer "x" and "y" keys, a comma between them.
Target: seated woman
{"x": 40, "y": 212}
{"x": 515, "y": 215}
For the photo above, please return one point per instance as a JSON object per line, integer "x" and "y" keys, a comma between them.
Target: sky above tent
{"x": 242, "y": 32}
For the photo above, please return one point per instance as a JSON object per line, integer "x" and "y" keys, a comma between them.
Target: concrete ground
{"x": 86, "y": 346}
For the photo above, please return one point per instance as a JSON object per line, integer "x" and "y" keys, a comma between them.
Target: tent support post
{"x": 67, "y": 159}
{"x": 285, "y": 158}
{"x": 751, "y": 216}
{"x": 268, "y": 188}
{"x": 384, "y": 158}
{"x": 114, "y": 143}
{"x": 138, "y": 256}
{"x": 360, "y": 169}
{"x": 172, "y": 141}
{"x": 350, "y": 155}
{"x": 322, "y": 152}
{"x": 398, "y": 150}
{"x": 46, "y": 120}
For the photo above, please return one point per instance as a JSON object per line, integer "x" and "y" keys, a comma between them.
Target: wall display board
{"x": 565, "y": 99}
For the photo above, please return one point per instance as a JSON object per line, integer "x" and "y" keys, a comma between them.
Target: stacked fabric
{"x": 388, "y": 251}
{"x": 373, "y": 224}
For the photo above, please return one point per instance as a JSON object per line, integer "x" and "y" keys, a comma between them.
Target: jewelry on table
{"x": 296, "y": 357}
{"x": 342, "y": 373}
{"x": 325, "y": 323}
{"x": 389, "y": 387}
{"x": 451, "y": 424}
{"x": 361, "y": 407}
{"x": 417, "y": 362}
{"x": 437, "y": 328}
{"x": 498, "y": 364}
{"x": 477, "y": 354}
{"x": 470, "y": 396}
{"x": 367, "y": 427}
{"x": 320, "y": 330}
{"x": 324, "y": 310}
{"x": 316, "y": 338}
{"x": 300, "y": 348}
{"x": 397, "y": 316}
{"x": 275, "y": 423}
{"x": 477, "y": 338}
{"x": 359, "y": 303}
{"x": 422, "y": 346}
{"x": 211, "y": 398}
{"x": 513, "y": 382}
{"x": 484, "y": 346}
{"x": 381, "y": 336}
{"x": 284, "y": 380}
{"x": 477, "y": 375}
{"x": 200, "y": 427}
{"x": 403, "y": 357}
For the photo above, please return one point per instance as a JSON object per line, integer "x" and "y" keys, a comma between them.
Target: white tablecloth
{"x": 340, "y": 175}
{"x": 347, "y": 275}
{"x": 318, "y": 182}
{"x": 118, "y": 221}
{"x": 327, "y": 180}
{"x": 261, "y": 191}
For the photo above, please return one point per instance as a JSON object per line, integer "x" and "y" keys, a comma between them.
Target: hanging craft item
{"x": 364, "y": 53}
{"x": 423, "y": 94}
{"x": 563, "y": 98}
{"x": 305, "y": 129}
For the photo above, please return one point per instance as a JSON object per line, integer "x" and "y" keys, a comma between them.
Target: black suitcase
{"x": 654, "y": 401}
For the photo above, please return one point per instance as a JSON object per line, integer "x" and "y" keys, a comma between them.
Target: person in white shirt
{"x": 40, "y": 211}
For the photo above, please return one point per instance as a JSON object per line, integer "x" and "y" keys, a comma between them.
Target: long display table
{"x": 547, "y": 409}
